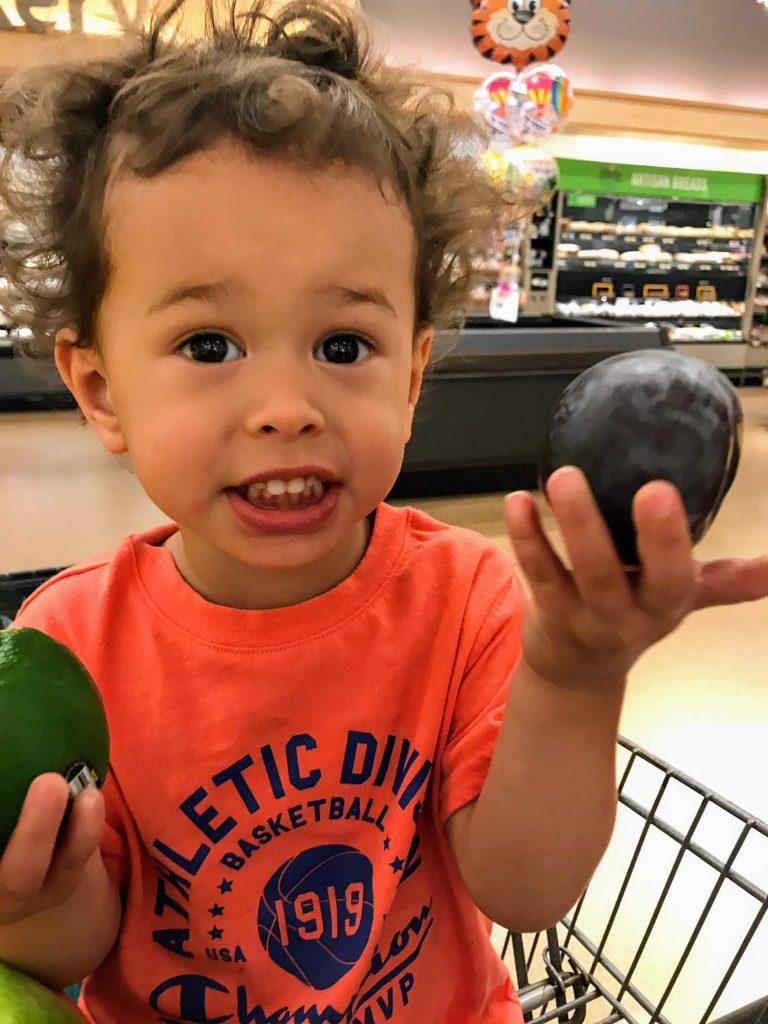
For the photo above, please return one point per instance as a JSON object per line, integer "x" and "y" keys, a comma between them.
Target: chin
{"x": 283, "y": 554}
{"x": 287, "y": 552}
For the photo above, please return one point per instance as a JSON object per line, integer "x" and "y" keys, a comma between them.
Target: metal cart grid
{"x": 671, "y": 899}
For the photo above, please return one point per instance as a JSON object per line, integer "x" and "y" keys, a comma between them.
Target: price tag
{"x": 590, "y": 263}
{"x": 585, "y": 237}
{"x": 630, "y": 238}
{"x": 706, "y": 266}
{"x": 668, "y": 241}
{"x": 505, "y": 302}
{"x": 640, "y": 266}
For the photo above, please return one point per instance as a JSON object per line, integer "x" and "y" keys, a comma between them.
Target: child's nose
{"x": 285, "y": 407}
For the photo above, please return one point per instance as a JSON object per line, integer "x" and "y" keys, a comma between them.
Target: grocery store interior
{"x": 644, "y": 226}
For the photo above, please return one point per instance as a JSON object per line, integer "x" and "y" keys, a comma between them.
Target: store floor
{"x": 699, "y": 700}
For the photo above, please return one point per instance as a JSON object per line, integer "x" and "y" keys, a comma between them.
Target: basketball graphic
{"x": 316, "y": 913}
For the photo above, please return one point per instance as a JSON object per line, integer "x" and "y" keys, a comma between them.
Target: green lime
{"x": 25, "y": 1001}
{"x": 52, "y": 720}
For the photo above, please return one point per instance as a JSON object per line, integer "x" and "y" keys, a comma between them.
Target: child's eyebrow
{"x": 209, "y": 292}
{"x": 213, "y": 291}
{"x": 361, "y": 296}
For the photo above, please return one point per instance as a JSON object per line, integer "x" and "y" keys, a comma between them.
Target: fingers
{"x": 667, "y": 583}
{"x": 79, "y": 841}
{"x": 598, "y": 575}
{"x": 27, "y": 856}
{"x": 669, "y": 586}
{"x": 545, "y": 573}
{"x": 39, "y": 867}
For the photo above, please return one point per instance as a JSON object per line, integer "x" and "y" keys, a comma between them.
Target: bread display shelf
{"x": 653, "y": 232}
{"x": 626, "y": 309}
{"x": 583, "y": 263}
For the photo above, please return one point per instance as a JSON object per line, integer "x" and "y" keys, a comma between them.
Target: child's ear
{"x": 83, "y": 371}
{"x": 422, "y": 346}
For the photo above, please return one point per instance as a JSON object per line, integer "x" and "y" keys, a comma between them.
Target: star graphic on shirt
{"x": 225, "y": 886}
{"x": 216, "y": 933}
{"x": 396, "y": 864}
{"x": 216, "y": 910}
{"x": 387, "y": 841}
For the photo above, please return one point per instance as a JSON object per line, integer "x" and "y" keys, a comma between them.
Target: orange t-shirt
{"x": 280, "y": 781}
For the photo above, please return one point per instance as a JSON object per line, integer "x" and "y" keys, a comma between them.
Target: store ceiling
{"x": 713, "y": 51}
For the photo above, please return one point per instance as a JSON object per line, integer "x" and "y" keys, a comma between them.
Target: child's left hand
{"x": 586, "y": 627}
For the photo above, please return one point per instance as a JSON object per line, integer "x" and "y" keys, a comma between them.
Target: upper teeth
{"x": 296, "y": 486}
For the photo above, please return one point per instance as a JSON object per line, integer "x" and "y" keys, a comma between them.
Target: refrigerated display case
{"x": 27, "y": 383}
{"x": 528, "y": 248}
{"x": 675, "y": 247}
{"x": 757, "y": 309}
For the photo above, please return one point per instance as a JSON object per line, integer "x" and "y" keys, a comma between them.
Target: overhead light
{"x": 763, "y": 3}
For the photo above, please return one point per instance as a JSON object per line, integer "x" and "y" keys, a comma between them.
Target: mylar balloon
{"x": 545, "y": 99}
{"x": 520, "y": 32}
{"x": 532, "y": 173}
{"x": 496, "y": 104}
{"x": 493, "y": 161}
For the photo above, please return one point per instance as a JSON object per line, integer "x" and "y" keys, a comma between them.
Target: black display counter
{"x": 487, "y": 402}
{"x": 27, "y": 384}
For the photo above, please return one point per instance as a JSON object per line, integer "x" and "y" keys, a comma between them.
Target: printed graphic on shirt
{"x": 316, "y": 914}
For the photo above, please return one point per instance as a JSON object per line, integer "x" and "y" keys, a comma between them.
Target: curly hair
{"x": 301, "y": 84}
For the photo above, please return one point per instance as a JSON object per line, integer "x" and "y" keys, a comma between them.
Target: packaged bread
{"x": 598, "y": 254}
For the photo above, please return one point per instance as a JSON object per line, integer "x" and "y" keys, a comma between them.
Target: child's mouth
{"x": 285, "y": 495}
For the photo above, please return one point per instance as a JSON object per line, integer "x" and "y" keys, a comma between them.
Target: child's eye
{"x": 210, "y": 347}
{"x": 344, "y": 347}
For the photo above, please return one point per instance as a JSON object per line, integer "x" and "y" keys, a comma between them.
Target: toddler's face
{"x": 258, "y": 327}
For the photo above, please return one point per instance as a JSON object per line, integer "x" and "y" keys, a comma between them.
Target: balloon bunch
{"x": 525, "y": 101}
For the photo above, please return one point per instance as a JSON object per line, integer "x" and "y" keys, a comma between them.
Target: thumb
{"x": 731, "y": 581}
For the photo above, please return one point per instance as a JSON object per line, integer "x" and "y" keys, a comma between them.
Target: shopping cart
{"x": 671, "y": 929}
{"x": 15, "y": 587}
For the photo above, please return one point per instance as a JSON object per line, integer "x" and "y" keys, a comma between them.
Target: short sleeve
{"x": 482, "y": 697}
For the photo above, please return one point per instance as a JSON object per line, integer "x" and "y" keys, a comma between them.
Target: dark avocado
{"x": 642, "y": 416}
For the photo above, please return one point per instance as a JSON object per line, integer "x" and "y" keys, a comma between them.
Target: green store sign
{"x": 591, "y": 178}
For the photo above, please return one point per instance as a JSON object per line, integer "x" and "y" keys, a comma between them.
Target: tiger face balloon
{"x": 520, "y": 32}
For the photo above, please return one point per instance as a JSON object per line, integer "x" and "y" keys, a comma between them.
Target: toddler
{"x": 343, "y": 739}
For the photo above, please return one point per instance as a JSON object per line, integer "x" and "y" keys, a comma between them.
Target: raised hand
{"x": 587, "y": 625}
